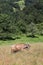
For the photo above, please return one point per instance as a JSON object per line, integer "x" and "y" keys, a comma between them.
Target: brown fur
{"x": 18, "y": 47}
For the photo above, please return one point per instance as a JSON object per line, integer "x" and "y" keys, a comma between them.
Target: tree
{"x": 32, "y": 29}
{"x": 40, "y": 27}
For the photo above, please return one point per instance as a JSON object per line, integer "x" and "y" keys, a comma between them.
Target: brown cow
{"x": 18, "y": 47}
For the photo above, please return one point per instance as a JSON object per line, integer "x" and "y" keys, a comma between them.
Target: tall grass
{"x": 31, "y": 56}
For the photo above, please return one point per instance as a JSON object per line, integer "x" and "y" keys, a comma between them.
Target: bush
{"x": 32, "y": 30}
{"x": 6, "y": 38}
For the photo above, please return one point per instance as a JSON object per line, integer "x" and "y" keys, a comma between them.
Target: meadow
{"x": 22, "y": 39}
{"x": 31, "y": 56}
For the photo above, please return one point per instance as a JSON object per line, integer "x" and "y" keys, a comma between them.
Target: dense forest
{"x": 21, "y": 17}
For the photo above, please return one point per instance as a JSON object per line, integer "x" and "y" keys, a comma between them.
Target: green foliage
{"x": 40, "y": 27}
{"x": 21, "y": 17}
{"x": 22, "y": 39}
{"x": 32, "y": 29}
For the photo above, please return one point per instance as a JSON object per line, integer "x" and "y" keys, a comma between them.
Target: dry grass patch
{"x": 32, "y": 56}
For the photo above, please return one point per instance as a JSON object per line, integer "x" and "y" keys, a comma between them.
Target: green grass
{"x": 23, "y": 39}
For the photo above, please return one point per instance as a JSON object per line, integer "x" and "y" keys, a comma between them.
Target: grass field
{"x": 22, "y": 39}
{"x": 31, "y": 56}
